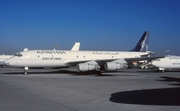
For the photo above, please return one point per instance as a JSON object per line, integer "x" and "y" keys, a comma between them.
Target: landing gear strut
{"x": 162, "y": 69}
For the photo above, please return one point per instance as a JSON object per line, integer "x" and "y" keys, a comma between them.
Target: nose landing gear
{"x": 25, "y": 70}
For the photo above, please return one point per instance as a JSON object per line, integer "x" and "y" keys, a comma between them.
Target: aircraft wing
{"x": 99, "y": 61}
{"x": 143, "y": 58}
{"x": 102, "y": 61}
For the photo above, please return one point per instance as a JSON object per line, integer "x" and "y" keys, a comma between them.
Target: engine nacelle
{"x": 110, "y": 66}
{"x": 87, "y": 67}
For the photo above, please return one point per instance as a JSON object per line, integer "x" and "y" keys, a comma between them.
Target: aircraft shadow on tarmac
{"x": 162, "y": 96}
{"x": 170, "y": 79}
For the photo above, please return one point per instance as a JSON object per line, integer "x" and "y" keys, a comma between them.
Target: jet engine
{"x": 87, "y": 67}
{"x": 109, "y": 66}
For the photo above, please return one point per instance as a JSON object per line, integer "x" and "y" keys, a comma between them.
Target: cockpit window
{"x": 157, "y": 59}
{"x": 18, "y": 54}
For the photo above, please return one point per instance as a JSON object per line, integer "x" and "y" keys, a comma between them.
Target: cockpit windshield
{"x": 157, "y": 59}
{"x": 18, "y": 54}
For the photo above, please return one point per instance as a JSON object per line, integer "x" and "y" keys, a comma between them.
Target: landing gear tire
{"x": 25, "y": 72}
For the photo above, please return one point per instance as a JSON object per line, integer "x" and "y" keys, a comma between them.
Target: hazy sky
{"x": 97, "y": 24}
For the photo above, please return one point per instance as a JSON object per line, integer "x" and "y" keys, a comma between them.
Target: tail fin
{"x": 142, "y": 45}
{"x": 76, "y": 46}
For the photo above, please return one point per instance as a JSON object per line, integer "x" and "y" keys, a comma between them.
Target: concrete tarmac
{"x": 69, "y": 90}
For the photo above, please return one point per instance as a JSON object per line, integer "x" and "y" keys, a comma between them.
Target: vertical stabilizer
{"x": 76, "y": 46}
{"x": 142, "y": 45}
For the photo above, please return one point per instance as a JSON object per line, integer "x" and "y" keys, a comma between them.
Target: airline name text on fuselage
{"x": 51, "y": 52}
{"x": 106, "y": 53}
{"x": 50, "y": 58}
{"x": 175, "y": 63}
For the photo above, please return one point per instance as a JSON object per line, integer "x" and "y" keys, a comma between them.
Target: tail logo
{"x": 143, "y": 44}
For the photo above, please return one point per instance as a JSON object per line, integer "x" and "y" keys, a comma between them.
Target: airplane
{"x": 84, "y": 61}
{"x": 168, "y": 63}
{"x": 5, "y": 57}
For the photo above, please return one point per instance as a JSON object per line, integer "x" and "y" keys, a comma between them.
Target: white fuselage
{"x": 3, "y": 58}
{"x": 169, "y": 62}
{"x": 61, "y": 58}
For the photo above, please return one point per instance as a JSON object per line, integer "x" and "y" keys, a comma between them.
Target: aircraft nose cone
{"x": 6, "y": 62}
{"x": 151, "y": 63}
{"x": 154, "y": 64}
